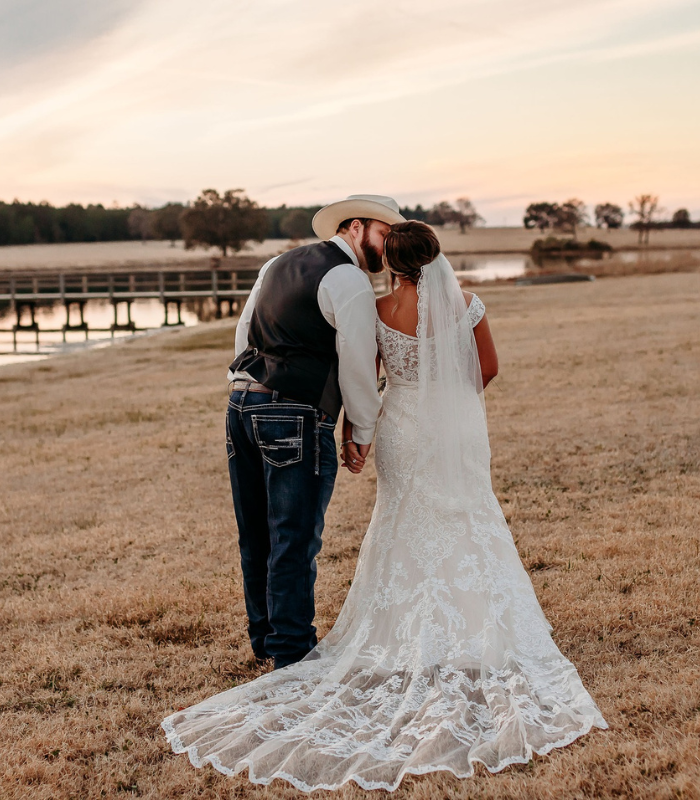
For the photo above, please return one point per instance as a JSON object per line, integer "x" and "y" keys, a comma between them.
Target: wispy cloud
{"x": 664, "y": 44}
{"x": 35, "y": 28}
{"x": 166, "y": 93}
{"x": 272, "y": 187}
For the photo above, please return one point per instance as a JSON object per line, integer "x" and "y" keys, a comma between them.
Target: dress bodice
{"x": 399, "y": 351}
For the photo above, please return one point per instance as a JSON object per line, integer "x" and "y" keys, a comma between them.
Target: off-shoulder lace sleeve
{"x": 476, "y": 311}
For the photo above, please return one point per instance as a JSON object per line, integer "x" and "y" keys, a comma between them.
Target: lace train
{"x": 326, "y": 739}
{"x": 440, "y": 658}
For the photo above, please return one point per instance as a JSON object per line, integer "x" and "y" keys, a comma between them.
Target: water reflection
{"x": 648, "y": 256}
{"x": 98, "y": 314}
{"x": 491, "y": 267}
{"x": 149, "y": 313}
{"x": 502, "y": 266}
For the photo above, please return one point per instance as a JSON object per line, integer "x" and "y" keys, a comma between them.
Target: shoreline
{"x": 157, "y": 255}
{"x": 596, "y": 270}
{"x": 624, "y": 249}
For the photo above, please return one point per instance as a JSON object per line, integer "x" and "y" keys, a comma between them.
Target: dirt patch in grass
{"x": 120, "y": 587}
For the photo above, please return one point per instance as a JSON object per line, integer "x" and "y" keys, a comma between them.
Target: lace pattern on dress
{"x": 399, "y": 353}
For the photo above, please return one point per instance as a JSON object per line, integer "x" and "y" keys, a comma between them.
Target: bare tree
{"x": 467, "y": 215}
{"x": 225, "y": 221}
{"x": 608, "y": 215}
{"x": 570, "y": 215}
{"x": 645, "y": 207}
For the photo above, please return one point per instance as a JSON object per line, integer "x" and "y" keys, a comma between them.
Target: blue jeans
{"x": 282, "y": 463}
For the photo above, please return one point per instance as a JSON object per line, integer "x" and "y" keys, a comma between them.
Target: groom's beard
{"x": 372, "y": 256}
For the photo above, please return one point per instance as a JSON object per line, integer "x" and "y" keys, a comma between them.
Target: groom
{"x": 305, "y": 347}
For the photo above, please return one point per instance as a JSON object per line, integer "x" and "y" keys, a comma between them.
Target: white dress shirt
{"x": 346, "y": 300}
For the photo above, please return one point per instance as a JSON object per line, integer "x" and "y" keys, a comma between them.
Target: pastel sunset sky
{"x": 306, "y": 101}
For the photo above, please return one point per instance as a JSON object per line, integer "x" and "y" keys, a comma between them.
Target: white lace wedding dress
{"x": 441, "y": 656}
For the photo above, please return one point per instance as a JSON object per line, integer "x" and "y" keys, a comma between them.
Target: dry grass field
{"x": 120, "y": 590}
{"x": 651, "y": 263}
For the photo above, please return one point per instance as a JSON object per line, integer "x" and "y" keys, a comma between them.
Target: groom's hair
{"x": 344, "y": 226}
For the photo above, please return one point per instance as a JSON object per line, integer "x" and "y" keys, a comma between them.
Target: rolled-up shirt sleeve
{"x": 347, "y": 301}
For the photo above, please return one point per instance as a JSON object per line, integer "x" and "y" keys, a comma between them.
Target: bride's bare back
{"x": 400, "y": 309}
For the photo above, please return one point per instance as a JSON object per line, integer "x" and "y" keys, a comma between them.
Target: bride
{"x": 441, "y": 656}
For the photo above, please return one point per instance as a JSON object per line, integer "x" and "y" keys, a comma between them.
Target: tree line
{"x": 43, "y": 223}
{"x": 230, "y": 219}
{"x": 567, "y": 217}
{"x": 210, "y": 219}
{"x": 40, "y": 223}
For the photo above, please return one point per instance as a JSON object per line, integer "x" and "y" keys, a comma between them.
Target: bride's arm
{"x": 488, "y": 358}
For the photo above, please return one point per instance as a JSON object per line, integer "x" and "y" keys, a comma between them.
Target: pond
{"x": 148, "y": 313}
{"x": 99, "y": 314}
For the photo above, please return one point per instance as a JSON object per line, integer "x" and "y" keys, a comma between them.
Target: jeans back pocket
{"x": 279, "y": 438}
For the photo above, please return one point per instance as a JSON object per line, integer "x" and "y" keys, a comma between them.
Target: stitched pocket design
{"x": 279, "y": 438}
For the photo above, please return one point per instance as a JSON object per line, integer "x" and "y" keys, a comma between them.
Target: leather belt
{"x": 242, "y": 385}
{"x": 251, "y": 386}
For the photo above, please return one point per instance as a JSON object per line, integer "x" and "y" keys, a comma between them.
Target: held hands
{"x": 354, "y": 456}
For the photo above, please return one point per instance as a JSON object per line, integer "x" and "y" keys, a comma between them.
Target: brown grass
{"x": 519, "y": 240}
{"x": 121, "y": 590}
{"x": 652, "y": 263}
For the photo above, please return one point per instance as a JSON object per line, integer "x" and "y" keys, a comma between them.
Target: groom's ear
{"x": 355, "y": 226}
{"x": 353, "y": 223}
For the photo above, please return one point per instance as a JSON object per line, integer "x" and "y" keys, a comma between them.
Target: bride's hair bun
{"x": 408, "y": 247}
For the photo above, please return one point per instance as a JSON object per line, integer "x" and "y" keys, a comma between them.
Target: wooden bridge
{"x": 225, "y": 289}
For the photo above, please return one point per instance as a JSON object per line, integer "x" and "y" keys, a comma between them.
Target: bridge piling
{"x": 225, "y": 288}
{"x": 19, "y": 326}
{"x": 80, "y": 326}
{"x": 129, "y": 325}
{"x": 178, "y": 305}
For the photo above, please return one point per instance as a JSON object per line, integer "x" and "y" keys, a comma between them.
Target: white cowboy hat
{"x": 364, "y": 206}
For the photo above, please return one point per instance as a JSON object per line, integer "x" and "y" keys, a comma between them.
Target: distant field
{"x": 136, "y": 255}
{"x": 103, "y": 255}
{"x": 120, "y": 587}
{"x": 504, "y": 240}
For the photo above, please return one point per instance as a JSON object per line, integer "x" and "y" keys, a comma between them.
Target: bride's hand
{"x": 351, "y": 458}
